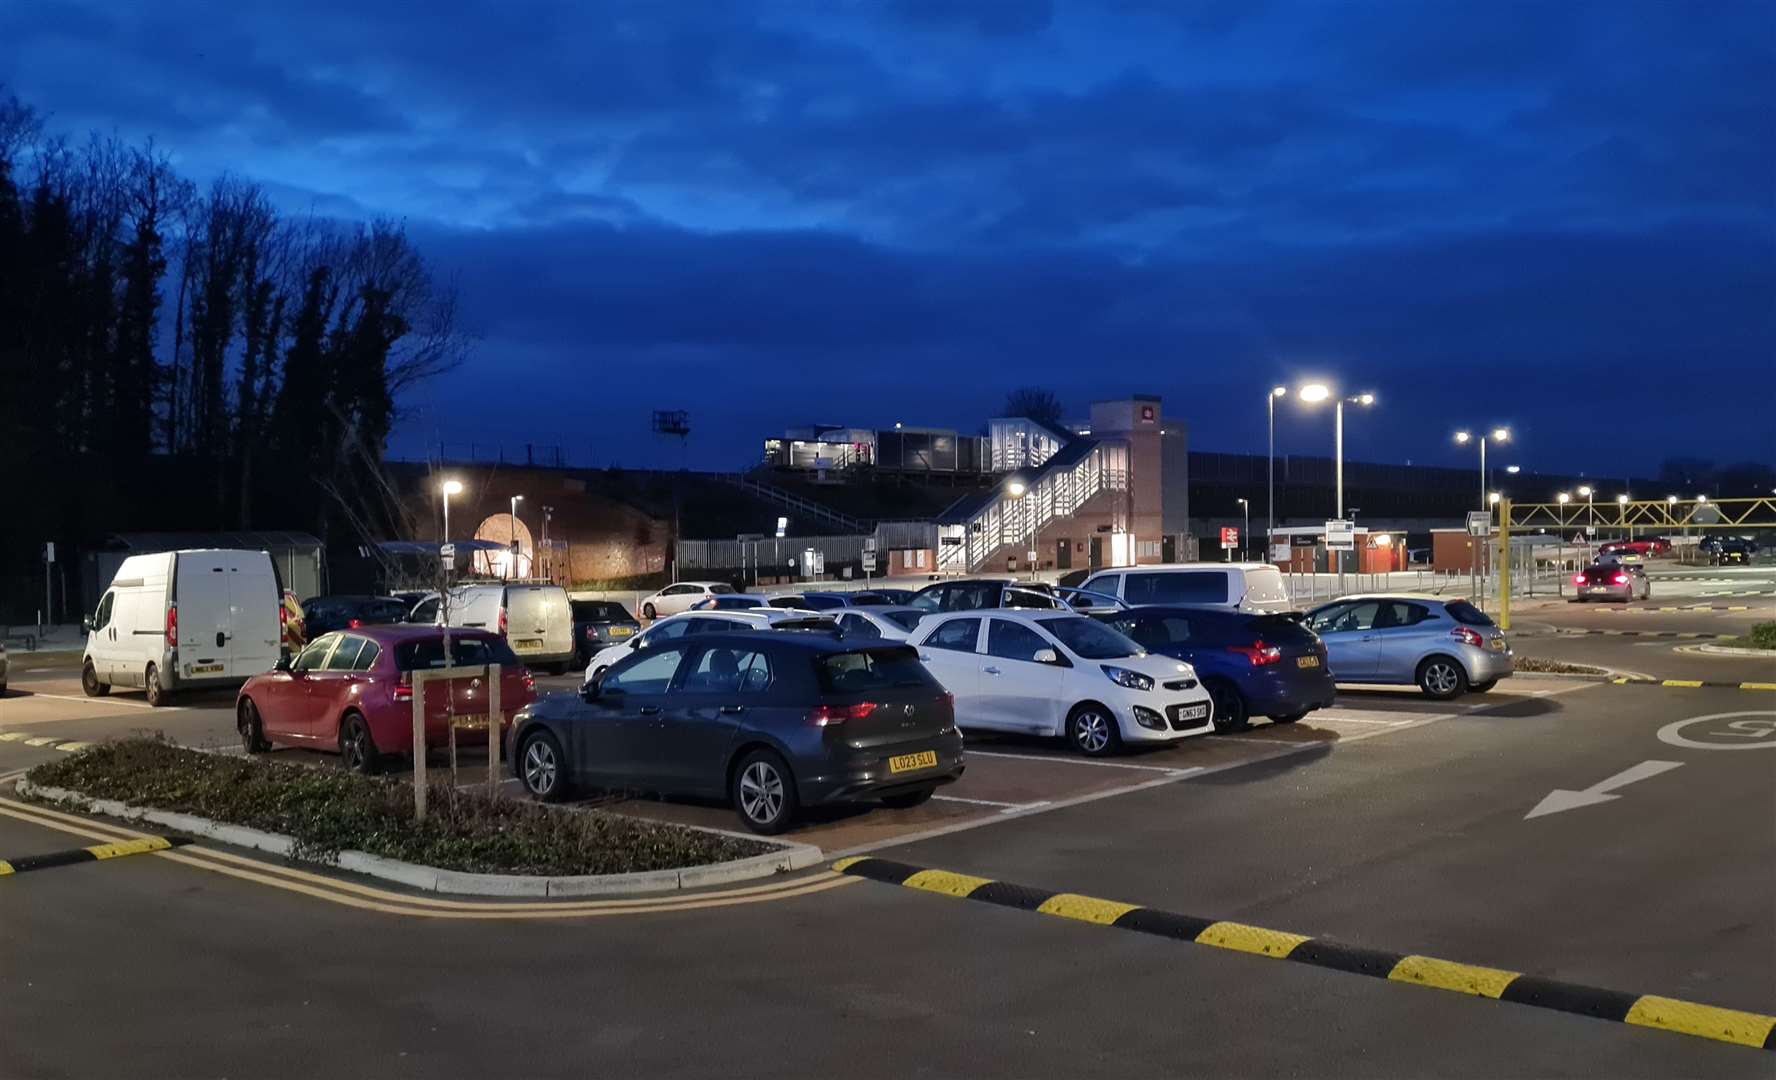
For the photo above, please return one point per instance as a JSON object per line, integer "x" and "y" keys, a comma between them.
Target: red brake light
{"x": 829, "y": 715}
{"x": 172, "y": 629}
{"x": 1467, "y": 636}
{"x": 502, "y": 622}
{"x": 530, "y": 682}
{"x": 1258, "y": 653}
{"x": 354, "y": 624}
{"x": 1578, "y": 579}
{"x": 403, "y": 689}
{"x": 1621, "y": 579}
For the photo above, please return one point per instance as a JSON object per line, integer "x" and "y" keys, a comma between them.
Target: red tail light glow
{"x": 530, "y": 682}
{"x": 403, "y": 689}
{"x": 354, "y": 624}
{"x": 829, "y": 715}
{"x": 1578, "y": 579}
{"x": 172, "y": 631}
{"x": 1467, "y": 636}
{"x": 1258, "y": 653}
{"x": 1621, "y": 579}
{"x": 502, "y": 622}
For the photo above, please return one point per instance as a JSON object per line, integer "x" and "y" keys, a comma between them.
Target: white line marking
{"x": 41, "y": 740}
{"x": 1073, "y": 761}
{"x": 101, "y": 702}
{"x": 978, "y": 802}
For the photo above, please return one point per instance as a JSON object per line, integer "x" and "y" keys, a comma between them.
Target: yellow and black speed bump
{"x": 25, "y": 864}
{"x": 1644, "y": 1010}
{"x": 1690, "y": 684}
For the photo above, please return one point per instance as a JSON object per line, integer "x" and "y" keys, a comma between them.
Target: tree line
{"x": 184, "y": 356}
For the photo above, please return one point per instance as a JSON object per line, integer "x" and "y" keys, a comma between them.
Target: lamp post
{"x": 449, "y": 488}
{"x": 1245, "y": 526}
{"x": 1496, "y": 435}
{"x": 512, "y": 555}
{"x": 1622, "y": 515}
{"x": 1314, "y": 393}
{"x": 1016, "y": 489}
{"x": 1270, "y": 409}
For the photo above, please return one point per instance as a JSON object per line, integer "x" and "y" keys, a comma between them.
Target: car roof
{"x": 1416, "y": 597}
{"x": 1015, "y": 614}
{"x": 822, "y": 643}
{"x": 395, "y": 633}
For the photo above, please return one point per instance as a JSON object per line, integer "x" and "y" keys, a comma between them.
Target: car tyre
{"x": 906, "y": 800}
{"x": 1287, "y": 718}
{"x": 1442, "y": 678}
{"x": 252, "y": 730}
{"x": 90, "y": 684}
{"x": 542, "y": 768}
{"x": 1231, "y": 713}
{"x": 1482, "y": 687}
{"x": 648, "y": 612}
{"x": 357, "y": 749}
{"x": 1092, "y": 730}
{"x": 157, "y": 694}
{"x": 764, "y": 792}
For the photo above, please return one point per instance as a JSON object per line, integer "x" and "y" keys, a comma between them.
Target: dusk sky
{"x": 1559, "y": 216}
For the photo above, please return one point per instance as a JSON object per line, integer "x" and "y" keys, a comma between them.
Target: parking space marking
{"x": 1735, "y": 1026}
{"x": 1058, "y": 760}
{"x": 369, "y": 898}
{"x": 978, "y": 802}
{"x": 28, "y": 739}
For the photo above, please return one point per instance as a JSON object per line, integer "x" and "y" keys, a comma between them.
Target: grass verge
{"x": 1762, "y": 636}
{"x": 1544, "y": 666}
{"x": 327, "y": 811}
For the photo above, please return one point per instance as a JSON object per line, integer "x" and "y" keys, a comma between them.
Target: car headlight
{"x": 1133, "y": 680}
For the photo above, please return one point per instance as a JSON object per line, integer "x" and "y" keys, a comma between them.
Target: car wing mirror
{"x": 86, "y": 623}
{"x": 1046, "y": 656}
{"x": 589, "y": 692}
{"x": 284, "y": 663}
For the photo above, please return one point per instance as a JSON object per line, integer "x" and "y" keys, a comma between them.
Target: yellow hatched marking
{"x": 1707, "y": 1021}
{"x": 846, "y": 863}
{"x": 1757, "y": 686}
{"x": 1681, "y": 682}
{"x": 1250, "y": 939}
{"x": 1448, "y": 975}
{"x": 945, "y": 883}
{"x": 1085, "y": 908}
{"x": 129, "y": 847}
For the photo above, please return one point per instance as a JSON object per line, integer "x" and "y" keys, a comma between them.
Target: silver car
{"x": 1444, "y": 647}
{"x": 1613, "y": 579}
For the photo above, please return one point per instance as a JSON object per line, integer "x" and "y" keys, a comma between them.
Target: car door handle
{"x": 733, "y": 709}
{"x": 650, "y": 710}
{"x": 1369, "y": 637}
{"x": 990, "y": 670}
{"x": 221, "y": 638}
{"x": 925, "y": 657}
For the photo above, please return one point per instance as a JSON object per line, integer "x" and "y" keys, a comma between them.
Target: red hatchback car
{"x": 353, "y": 691}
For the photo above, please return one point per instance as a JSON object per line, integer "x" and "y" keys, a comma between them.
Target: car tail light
{"x": 591, "y": 633}
{"x": 354, "y": 624}
{"x": 1578, "y": 579}
{"x": 283, "y": 619}
{"x": 1621, "y": 579}
{"x": 502, "y": 622}
{"x": 1467, "y": 636}
{"x": 403, "y": 688}
{"x": 530, "y": 682}
{"x": 1258, "y": 653}
{"x": 829, "y": 715}
{"x": 172, "y": 634}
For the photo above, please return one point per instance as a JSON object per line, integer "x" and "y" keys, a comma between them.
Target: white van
{"x": 175, "y": 620}
{"x": 535, "y": 619}
{"x": 1249, "y": 586}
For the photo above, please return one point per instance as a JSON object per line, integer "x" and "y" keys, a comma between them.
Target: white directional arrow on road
{"x": 1560, "y": 799}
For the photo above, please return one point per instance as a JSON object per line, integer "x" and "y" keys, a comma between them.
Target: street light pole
{"x": 1271, "y": 514}
{"x": 512, "y": 556}
{"x": 1245, "y": 527}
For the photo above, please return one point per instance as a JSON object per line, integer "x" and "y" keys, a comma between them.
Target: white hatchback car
{"x": 1048, "y": 673}
{"x": 682, "y": 597}
{"x": 878, "y": 623}
{"x": 704, "y": 622}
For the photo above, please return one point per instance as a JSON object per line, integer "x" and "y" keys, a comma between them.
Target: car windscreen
{"x": 869, "y": 670}
{"x": 906, "y": 620}
{"x": 1089, "y": 638}
{"x": 822, "y": 603}
{"x": 738, "y": 603}
{"x": 1264, "y": 585}
{"x": 428, "y": 653}
{"x": 1279, "y": 630}
{"x": 1463, "y": 612}
{"x": 718, "y": 588}
{"x": 382, "y": 611}
{"x": 600, "y": 611}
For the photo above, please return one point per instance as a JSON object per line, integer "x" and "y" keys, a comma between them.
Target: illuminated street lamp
{"x": 1513, "y": 469}
{"x": 449, "y": 488}
{"x": 1016, "y": 489}
{"x": 1492, "y": 498}
{"x": 1313, "y": 393}
{"x": 1496, "y": 435}
{"x": 512, "y": 558}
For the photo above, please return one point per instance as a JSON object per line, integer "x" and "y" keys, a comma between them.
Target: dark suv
{"x": 973, "y": 594}
{"x": 598, "y": 623}
{"x": 325, "y": 614}
{"x": 771, "y": 721}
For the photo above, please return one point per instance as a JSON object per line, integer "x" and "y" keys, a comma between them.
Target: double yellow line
{"x": 369, "y": 898}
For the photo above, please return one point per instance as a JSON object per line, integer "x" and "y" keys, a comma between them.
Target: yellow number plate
{"x": 1307, "y": 661}
{"x": 622, "y": 631}
{"x": 926, "y": 759}
{"x": 527, "y": 645}
{"x": 205, "y": 669}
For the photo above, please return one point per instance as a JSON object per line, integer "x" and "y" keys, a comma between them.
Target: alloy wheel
{"x": 1091, "y": 731}
{"x": 761, "y": 792}
{"x": 540, "y": 767}
{"x": 1440, "y": 678}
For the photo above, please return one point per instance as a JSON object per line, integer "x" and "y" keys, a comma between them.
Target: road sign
{"x": 1031, "y": 555}
{"x": 869, "y": 562}
{"x": 1341, "y": 535}
{"x": 1230, "y": 538}
{"x": 447, "y": 552}
{"x": 1479, "y": 522}
{"x": 49, "y": 552}
{"x": 1281, "y": 552}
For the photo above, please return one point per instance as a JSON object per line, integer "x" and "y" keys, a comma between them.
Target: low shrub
{"x": 328, "y": 810}
{"x": 1544, "y": 666}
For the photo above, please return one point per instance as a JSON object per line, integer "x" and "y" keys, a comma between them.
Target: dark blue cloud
{"x": 1551, "y": 214}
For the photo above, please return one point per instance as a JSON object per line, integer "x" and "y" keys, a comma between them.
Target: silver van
{"x": 536, "y": 619}
{"x": 1252, "y": 586}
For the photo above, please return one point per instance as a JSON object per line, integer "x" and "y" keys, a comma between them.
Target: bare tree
{"x": 1034, "y": 403}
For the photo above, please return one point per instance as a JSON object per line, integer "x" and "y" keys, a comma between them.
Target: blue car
{"x": 1251, "y": 664}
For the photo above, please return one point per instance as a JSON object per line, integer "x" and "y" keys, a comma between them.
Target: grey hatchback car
{"x": 1444, "y": 647}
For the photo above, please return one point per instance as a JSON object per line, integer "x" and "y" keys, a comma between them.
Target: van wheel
{"x": 90, "y": 684}
{"x": 356, "y": 748}
{"x": 252, "y": 732}
{"x": 157, "y": 694}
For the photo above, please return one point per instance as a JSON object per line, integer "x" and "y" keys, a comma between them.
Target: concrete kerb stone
{"x": 1728, "y": 650}
{"x": 790, "y": 857}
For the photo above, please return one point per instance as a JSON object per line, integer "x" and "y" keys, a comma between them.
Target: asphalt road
{"x": 1402, "y": 828}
